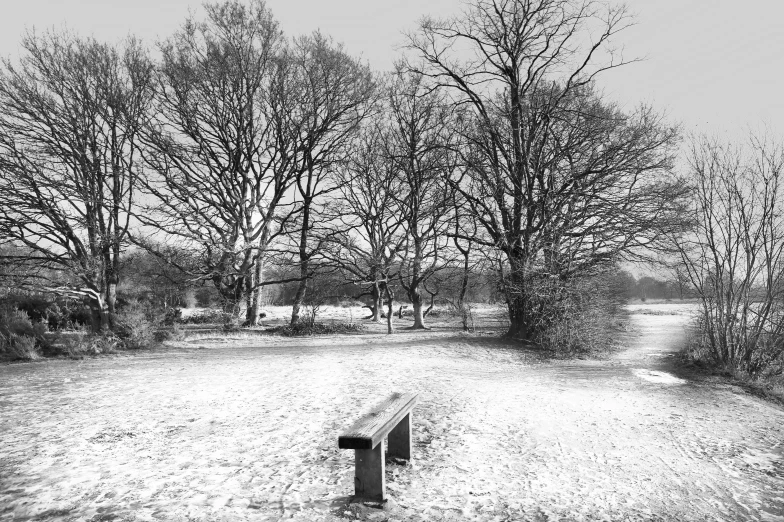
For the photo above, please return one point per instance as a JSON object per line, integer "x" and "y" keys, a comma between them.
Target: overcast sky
{"x": 713, "y": 65}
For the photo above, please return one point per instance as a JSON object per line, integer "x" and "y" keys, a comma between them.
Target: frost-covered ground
{"x": 246, "y": 429}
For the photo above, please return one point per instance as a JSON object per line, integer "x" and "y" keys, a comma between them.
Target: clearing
{"x": 213, "y": 429}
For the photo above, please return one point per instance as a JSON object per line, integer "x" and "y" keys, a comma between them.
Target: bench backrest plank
{"x": 371, "y": 428}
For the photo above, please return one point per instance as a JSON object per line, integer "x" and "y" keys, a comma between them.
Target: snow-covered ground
{"x": 245, "y": 428}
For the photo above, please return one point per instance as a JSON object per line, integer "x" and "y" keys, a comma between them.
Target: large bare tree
{"x": 332, "y": 95}
{"x": 558, "y": 179}
{"x": 220, "y": 151}
{"x": 71, "y": 110}
{"x": 419, "y": 148}
{"x": 369, "y": 230}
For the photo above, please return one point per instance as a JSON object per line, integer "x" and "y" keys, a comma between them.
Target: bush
{"x": 762, "y": 353}
{"x": 303, "y": 329}
{"x": 82, "y": 343}
{"x": 172, "y": 316}
{"x": 58, "y": 314}
{"x": 579, "y": 314}
{"x": 174, "y": 333}
{"x": 136, "y": 326}
{"x": 19, "y": 347}
{"x": 20, "y": 338}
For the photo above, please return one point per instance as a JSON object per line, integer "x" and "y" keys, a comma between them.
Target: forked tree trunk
{"x": 416, "y": 304}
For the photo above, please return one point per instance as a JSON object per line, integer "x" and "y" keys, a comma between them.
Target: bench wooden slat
{"x": 371, "y": 429}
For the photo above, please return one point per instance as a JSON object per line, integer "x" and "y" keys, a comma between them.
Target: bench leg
{"x": 369, "y": 473}
{"x": 400, "y": 439}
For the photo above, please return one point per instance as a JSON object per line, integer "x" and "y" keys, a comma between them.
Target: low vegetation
{"x": 733, "y": 256}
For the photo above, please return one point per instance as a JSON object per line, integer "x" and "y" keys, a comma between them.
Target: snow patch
{"x": 658, "y": 377}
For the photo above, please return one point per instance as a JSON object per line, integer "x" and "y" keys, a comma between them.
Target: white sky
{"x": 714, "y": 65}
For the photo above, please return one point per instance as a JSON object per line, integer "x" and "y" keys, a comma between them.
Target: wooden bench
{"x": 390, "y": 418}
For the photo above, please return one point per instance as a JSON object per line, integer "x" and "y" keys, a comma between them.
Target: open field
{"x": 219, "y": 428}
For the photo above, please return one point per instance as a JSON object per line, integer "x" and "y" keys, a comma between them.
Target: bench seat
{"x": 375, "y": 425}
{"x": 390, "y": 418}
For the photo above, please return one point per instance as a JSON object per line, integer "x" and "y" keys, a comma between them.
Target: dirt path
{"x": 213, "y": 432}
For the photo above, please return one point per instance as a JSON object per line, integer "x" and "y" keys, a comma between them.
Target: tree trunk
{"x": 378, "y": 303}
{"x": 516, "y": 299}
{"x": 254, "y": 293}
{"x": 518, "y": 320}
{"x": 112, "y": 277}
{"x": 390, "y": 310}
{"x": 432, "y": 304}
{"x": 299, "y": 298}
{"x": 232, "y": 296}
{"x": 251, "y": 312}
{"x": 416, "y": 303}
{"x": 111, "y": 300}
{"x": 464, "y": 281}
{"x": 302, "y": 288}
{"x": 99, "y": 315}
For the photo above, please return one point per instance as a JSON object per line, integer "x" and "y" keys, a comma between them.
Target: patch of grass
{"x": 175, "y": 333}
{"x": 303, "y": 329}
{"x": 81, "y": 343}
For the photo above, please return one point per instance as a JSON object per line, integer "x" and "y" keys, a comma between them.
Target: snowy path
{"x": 213, "y": 432}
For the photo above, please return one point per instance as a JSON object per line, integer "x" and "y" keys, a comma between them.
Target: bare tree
{"x": 333, "y": 94}
{"x": 220, "y": 149}
{"x": 70, "y": 116}
{"x": 734, "y": 254}
{"x": 418, "y": 147}
{"x": 557, "y": 178}
{"x": 369, "y": 228}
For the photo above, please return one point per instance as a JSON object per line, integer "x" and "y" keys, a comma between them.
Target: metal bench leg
{"x": 369, "y": 473}
{"x": 400, "y": 439}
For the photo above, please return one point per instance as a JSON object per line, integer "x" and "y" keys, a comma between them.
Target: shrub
{"x": 172, "y": 316}
{"x": 59, "y": 314}
{"x": 19, "y": 346}
{"x": 20, "y": 338}
{"x": 174, "y": 333}
{"x": 578, "y": 314}
{"x": 304, "y": 329}
{"x": 135, "y": 326}
{"x": 81, "y": 343}
{"x": 755, "y": 350}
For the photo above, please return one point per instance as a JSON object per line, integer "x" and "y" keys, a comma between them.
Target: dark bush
{"x": 581, "y": 313}
{"x": 59, "y": 313}
{"x": 136, "y": 324}
{"x": 20, "y": 338}
{"x": 303, "y": 329}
